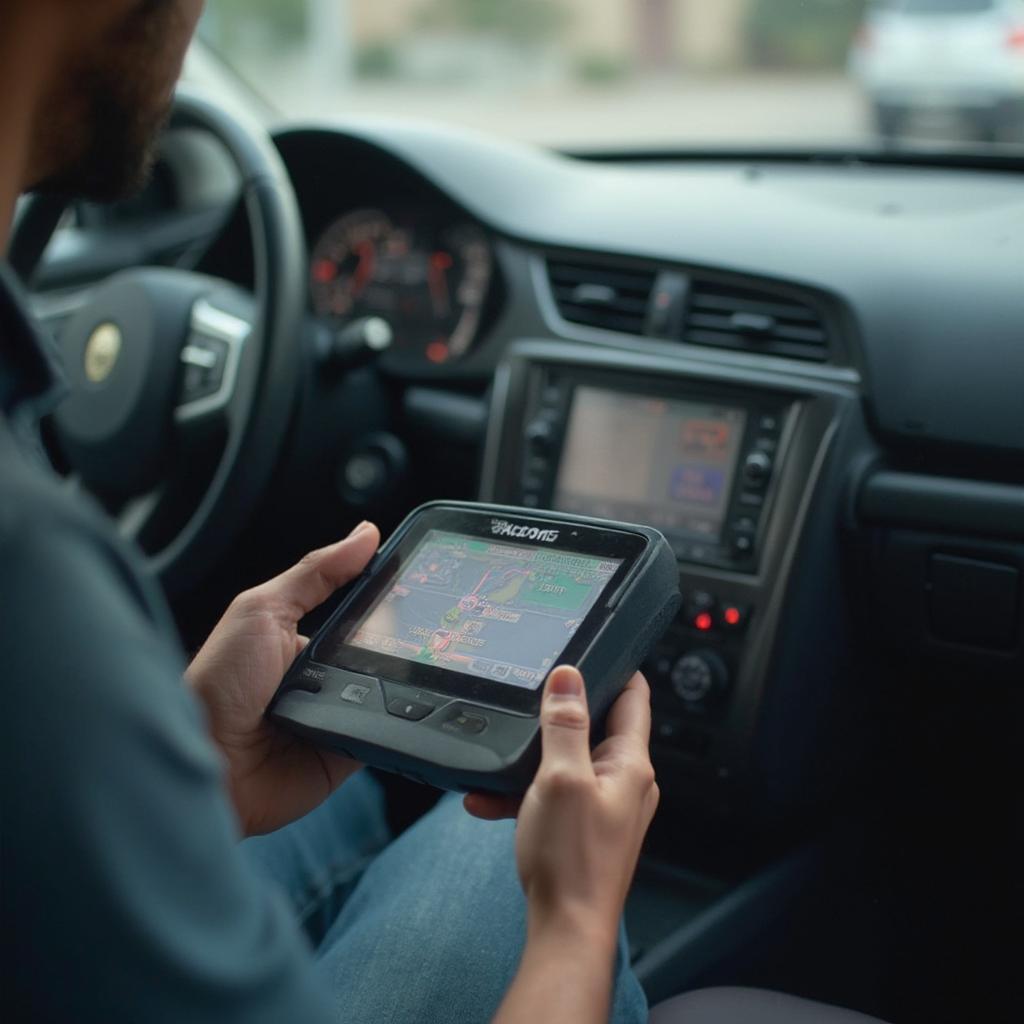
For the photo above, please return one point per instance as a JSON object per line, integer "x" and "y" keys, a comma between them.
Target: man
{"x": 126, "y": 892}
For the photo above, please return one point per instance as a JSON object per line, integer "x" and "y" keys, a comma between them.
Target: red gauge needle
{"x": 364, "y": 271}
{"x": 440, "y": 264}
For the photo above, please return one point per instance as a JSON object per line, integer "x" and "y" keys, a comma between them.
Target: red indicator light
{"x": 325, "y": 271}
{"x": 732, "y": 616}
{"x": 704, "y": 622}
{"x": 1016, "y": 38}
{"x": 437, "y": 352}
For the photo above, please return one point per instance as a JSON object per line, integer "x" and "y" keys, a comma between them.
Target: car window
{"x": 941, "y": 6}
{"x": 654, "y": 75}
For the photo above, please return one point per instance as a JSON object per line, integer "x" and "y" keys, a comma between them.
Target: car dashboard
{"x": 806, "y": 373}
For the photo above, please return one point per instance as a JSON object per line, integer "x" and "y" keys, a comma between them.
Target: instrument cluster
{"x": 431, "y": 279}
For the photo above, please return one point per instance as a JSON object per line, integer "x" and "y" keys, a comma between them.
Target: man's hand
{"x": 274, "y": 777}
{"x": 581, "y": 826}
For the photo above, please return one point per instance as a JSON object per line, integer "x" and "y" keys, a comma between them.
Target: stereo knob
{"x": 700, "y": 678}
{"x": 757, "y": 469}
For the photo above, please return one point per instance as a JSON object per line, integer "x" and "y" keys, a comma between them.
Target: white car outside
{"x": 923, "y": 60}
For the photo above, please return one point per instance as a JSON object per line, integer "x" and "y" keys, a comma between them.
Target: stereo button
{"x": 539, "y": 436}
{"x": 757, "y": 469}
{"x": 742, "y": 545}
{"x": 700, "y": 678}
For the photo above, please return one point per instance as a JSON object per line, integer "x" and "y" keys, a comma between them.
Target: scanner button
{"x": 355, "y": 694}
{"x": 310, "y": 680}
{"x": 411, "y": 710}
{"x": 465, "y": 723}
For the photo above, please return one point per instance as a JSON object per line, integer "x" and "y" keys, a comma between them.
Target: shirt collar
{"x": 30, "y": 378}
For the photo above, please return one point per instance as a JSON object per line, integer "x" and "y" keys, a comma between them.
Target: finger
{"x": 308, "y": 584}
{"x": 301, "y": 643}
{"x": 565, "y": 724}
{"x": 491, "y": 807}
{"x": 630, "y": 716}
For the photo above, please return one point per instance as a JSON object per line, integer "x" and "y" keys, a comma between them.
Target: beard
{"x": 118, "y": 156}
{"x": 103, "y": 123}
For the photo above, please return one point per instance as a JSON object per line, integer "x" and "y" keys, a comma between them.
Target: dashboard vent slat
{"x": 598, "y": 294}
{"x": 747, "y": 319}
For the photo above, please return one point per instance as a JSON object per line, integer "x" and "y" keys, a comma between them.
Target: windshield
{"x": 645, "y": 74}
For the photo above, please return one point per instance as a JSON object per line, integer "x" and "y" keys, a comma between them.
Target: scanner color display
{"x": 492, "y": 609}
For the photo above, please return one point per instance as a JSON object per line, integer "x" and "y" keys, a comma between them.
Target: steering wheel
{"x": 182, "y": 385}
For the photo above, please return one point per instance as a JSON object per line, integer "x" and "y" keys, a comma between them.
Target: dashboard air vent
{"x": 754, "y": 320}
{"x": 602, "y": 295}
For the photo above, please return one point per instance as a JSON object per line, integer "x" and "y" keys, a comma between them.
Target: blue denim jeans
{"x": 423, "y": 929}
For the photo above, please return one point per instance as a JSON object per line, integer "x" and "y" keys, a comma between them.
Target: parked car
{"x": 928, "y": 63}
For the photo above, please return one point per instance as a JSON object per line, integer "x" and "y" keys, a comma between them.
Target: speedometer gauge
{"x": 430, "y": 283}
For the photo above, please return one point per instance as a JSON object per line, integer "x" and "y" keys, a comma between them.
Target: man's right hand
{"x": 581, "y": 827}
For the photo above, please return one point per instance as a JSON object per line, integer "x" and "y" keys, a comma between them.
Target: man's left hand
{"x": 274, "y": 777}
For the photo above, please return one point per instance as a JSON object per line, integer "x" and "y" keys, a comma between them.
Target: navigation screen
{"x": 500, "y": 611}
{"x": 657, "y": 461}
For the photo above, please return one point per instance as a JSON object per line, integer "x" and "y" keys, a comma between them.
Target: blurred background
{"x": 654, "y": 74}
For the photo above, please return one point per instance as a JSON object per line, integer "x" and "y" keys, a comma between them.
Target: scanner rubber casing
{"x": 504, "y": 758}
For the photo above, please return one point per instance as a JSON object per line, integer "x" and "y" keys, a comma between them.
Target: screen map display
{"x": 660, "y": 461}
{"x": 496, "y": 610}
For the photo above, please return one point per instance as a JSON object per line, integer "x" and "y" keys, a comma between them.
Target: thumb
{"x": 310, "y": 582}
{"x": 565, "y": 724}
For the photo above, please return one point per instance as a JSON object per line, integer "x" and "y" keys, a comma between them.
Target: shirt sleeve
{"x": 124, "y": 894}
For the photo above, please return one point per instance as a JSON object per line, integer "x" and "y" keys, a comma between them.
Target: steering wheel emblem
{"x": 101, "y": 352}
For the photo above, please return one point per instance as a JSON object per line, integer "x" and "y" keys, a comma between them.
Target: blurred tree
{"x": 526, "y": 21}
{"x": 802, "y": 34}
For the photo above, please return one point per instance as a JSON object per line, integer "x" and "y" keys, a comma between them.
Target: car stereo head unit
{"x": 696, "y": 464}
{"x": 434, "y": 663}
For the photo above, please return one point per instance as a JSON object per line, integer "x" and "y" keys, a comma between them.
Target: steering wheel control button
{"x": 465, "y": 723}
{"x": 410, "y": 710}
{"x": 205, "y": 360}
{"x": 700, "y": 678}
{"x": 211, "y": 358}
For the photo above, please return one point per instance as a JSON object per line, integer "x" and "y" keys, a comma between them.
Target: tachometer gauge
{"x": 430, "y": 283}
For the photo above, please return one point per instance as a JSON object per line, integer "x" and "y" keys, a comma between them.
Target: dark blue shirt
{"x": 123, "y": 894}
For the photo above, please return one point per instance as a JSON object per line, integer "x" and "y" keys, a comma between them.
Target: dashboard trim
{"x": 920, "y": 262}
